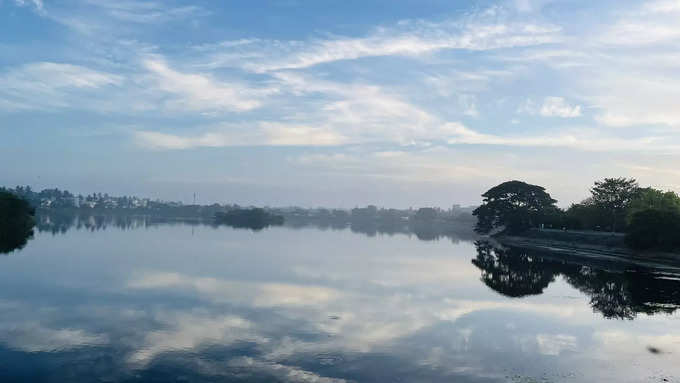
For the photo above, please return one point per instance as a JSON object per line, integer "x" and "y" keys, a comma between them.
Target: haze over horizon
{"x": 338, "y": 104}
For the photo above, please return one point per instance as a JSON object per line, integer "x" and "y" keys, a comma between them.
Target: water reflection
{"x": 423, "y": 230}
{"x": 196, "y": 303}
{"x": 14, "y": 237}
{"x": 59, "y": 222}
{"x": 615, "y": 290}
{"x": 12, "y": 240}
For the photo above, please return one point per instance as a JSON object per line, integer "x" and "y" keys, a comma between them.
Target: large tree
{"x": 514, "y": 206}
{"x": 613, "y": 196}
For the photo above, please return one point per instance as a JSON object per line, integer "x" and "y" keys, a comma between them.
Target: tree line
{"x": 649, "y": 217}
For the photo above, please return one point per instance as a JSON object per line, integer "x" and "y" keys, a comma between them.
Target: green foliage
{"x": 16, "y": 222}
{"x": 649, "y": 216}
{"x": 654, "y": 229}
{"x": 514, "y": 206}
{"x": 586, "y": 216}
{"x": 612, "y": 197}
{"x": 650, "y": 198}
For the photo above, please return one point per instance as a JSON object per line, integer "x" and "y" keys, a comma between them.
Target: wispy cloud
{"x": 552, "y": 106}
{"x": 144, "y": 11}
{"x": 584, "y": 140}
{"x": 51, "y": 85}
{"x": 409, "y": 38}
{"x": 258, "y": 134}
{"x": 37, "y": 4}
{"x": 104, "y": 19}
{"x": 201, "y": 92}
{"x": 558, "y": 107}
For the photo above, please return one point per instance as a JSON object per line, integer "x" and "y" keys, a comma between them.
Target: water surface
{"x": 193, "y": 303}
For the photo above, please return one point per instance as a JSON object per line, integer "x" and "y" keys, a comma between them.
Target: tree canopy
{"x": 613, "y": 197}
{"x": 654, "y": 229}
{"x": 650, "y": 198}
{"x": 513, "y": 206}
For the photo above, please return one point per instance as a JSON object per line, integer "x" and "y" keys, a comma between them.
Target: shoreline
{"x": 589, "y": 247}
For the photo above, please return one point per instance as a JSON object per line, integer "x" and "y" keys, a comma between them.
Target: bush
{"x": 654, "y": 229}
{"x": 255, "y": 218}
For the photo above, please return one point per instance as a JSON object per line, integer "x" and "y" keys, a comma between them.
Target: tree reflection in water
{"x": 513, "y": 274}
{"x": 617, "y": 291}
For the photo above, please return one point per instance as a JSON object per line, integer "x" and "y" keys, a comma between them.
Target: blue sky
{"x": 338, "y": 103}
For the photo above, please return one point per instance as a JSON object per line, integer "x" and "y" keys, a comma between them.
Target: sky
{"x": 338, "y": 103}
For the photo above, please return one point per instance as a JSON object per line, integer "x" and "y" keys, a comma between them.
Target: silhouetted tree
{"x": 514, "y": 205}
{"x": 654, "y": 229}
{"x": 585, "y": 215}
{"x": 16, "y": 222}
{"x": 613, "y": 196}
{"x": 255, "y": 219}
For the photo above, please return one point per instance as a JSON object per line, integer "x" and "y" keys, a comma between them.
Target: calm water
{"x": 191, "y": 303}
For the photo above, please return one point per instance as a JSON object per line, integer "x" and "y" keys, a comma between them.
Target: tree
{"x": 654, "y": 229}
{"x": 613, "y": 196}
{"x": 16, "y": 222}
{"x": 650, "y": 198}
{"x": 515, "y": 206}
{"x": 585, "y": 215}
{"x": 255, "y": 218}
{"x": 425, "y": 214}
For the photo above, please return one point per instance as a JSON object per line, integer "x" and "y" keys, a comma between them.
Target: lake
{"x": 161, "y": 302}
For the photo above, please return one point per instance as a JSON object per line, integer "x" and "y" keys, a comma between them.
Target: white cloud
{"x": 629, "y": 100}
{"x": 144, "y": 11}
{"x": 556, "y": 344}
{"x": 583, "y": 140}
{"x": 34, "y": 337}
{"x": 339, "y": 114}
{"x": 531, "y": 5}
{"x": 405, "y": 39}
{"x": 641, "y": 33}
{"x": 257, "y": 294}
{"x": 105, "y": 20}
{"x": 189, "y": 331}
{"x": 468, "y": 104}
{"x": 453, "y": 133}
{"x": 655, "y": 22}
{"x": 551, "y": 107}
{"x": 57, "y": 75}
{"x": 258, "y": 134}
{"x": 558, "y": 107}
{"x": 282, "y": 372}
{"x": 432, "y": 165}
{"x": 158, "y": 140}
{"x": 38, "y": 4}
{"x": 200, "y": 92}
{"x": 47, "y": 85}
{"x": 663, "y": 6}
